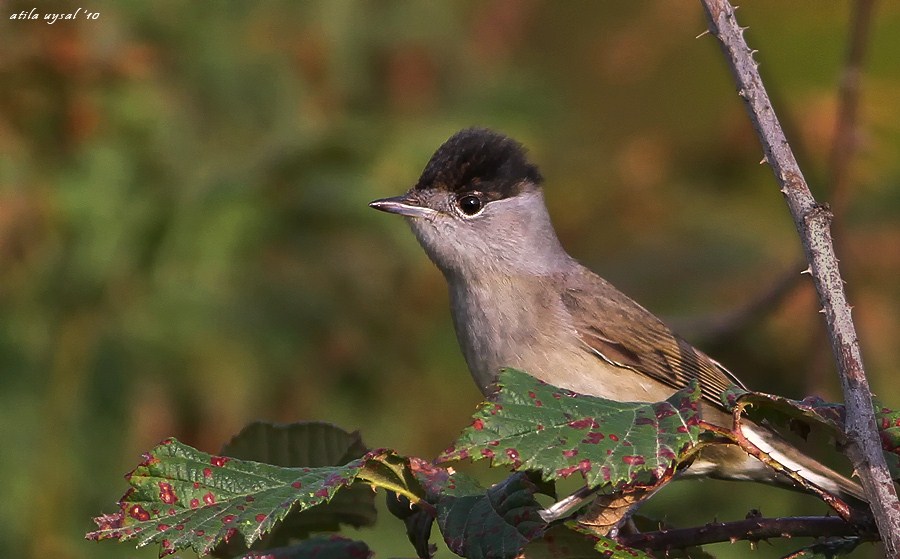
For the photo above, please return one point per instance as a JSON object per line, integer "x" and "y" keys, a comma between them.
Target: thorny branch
{"x": 752, "y": 529}
{"x": 813, "y": 222}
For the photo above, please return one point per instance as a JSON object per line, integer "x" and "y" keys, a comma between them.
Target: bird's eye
{"x": 469, "y": 204}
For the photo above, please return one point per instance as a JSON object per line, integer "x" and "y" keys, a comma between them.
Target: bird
{"x": 519, "y": 300}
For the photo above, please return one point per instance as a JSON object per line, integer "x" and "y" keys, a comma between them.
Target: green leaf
{"x": 310, "y": 444}
{"x": 532, "y": 425}
{"x": 489, "y": 525}
{"x": 181, "y": 497}
{"x": 560, "y": 542}
{"x": 783, "y": 411}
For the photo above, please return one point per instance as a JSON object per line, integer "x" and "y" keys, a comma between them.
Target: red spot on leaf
{"x": 194, "y": 503}
{"x": 538, "y": 403}
{"x": 218, "y": 461}
{"x": 200, "y": 532}
{"x": 179, "y": 526}
{"x": 162, "y": 527}
{"x": 570, "y": 453}
{"x": 230, "y": 533}
{"x": 593, "y": 438}
{"x": 633, "y": 460}
{"x": 207, "y": 472}
{"x": 663, "y": 413}
{"x": 228, "y": 519}
{"x": 109, "y": 522}
{"x": 585, "y": 423}
{"x": 148, "y": 460}
{"x": 138, "y": 513}
{"x": 196, "y": 485}
{"x": 249, "y": 498}
{"x": 512, "y": 454}
{"x": 584, "y": 466}
{"x": 322, "y": 493}
{"x": 296, "y": 485}
{"x": 209, "y": 498}
{"x": 644, "y": 421}
{"x": 665, "y": 453}
{"x": 493, "y": 443}
{"x": 487, "y": 453}
{"x": 531, "y": 394}
{"x": 260, "y": 517}
{"x": 167, "y": 494}
{"x": 478, "y": 425}
{"x": 567, "y": 471}
{"x": 613, "y": 437}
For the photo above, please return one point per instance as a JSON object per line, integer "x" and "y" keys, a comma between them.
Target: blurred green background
{"x": 185, "y": 244}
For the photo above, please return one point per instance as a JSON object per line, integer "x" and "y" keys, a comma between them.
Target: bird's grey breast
{"x": 524, "y": 323}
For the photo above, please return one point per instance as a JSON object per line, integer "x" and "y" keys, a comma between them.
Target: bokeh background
{"x": 185, "y": 244}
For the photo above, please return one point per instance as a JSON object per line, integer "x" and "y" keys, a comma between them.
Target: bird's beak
{"x": 405, "y": 205}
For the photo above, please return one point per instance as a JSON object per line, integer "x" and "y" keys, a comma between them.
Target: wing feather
{"x": 618, "y": 330}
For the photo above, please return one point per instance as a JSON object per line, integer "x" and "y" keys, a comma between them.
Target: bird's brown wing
{"x": 621, "y": 332}
{"x": 624, "y": 334}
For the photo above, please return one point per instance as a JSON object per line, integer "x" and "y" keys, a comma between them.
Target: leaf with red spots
{"x": 607, "y": 442}
{"x": 311, "y": 444}
{"x": 814, "y": 413}
{"x": 175, "y": 503}
{"x": 493, "y": 524}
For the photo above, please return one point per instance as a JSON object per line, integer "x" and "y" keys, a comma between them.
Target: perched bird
{"x": 519, "y": 300}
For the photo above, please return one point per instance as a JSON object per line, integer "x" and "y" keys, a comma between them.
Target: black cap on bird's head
{"x": 474, "y": 161}
{"x": 479, "y": 159}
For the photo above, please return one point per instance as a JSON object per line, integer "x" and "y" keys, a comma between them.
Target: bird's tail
{"x": 730, "y": 462}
